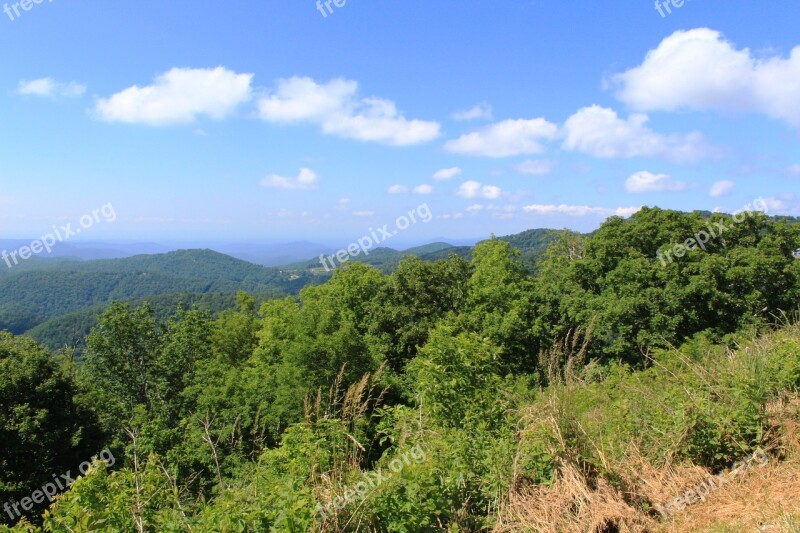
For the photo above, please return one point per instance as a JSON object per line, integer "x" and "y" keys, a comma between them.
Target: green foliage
{"x": 44, "y": 429}
{"x": 708, "y": 410}
{"x": 637, "y": 302}
{"x": 29, "y": 297}
{"x": 406, "y": 401}
{"x": 457, "y": 380}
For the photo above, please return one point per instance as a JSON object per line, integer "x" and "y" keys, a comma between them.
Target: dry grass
{"x": 581, "y": 501}
{"x": 763, "y": 499}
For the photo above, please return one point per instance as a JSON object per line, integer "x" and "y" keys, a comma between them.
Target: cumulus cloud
{"x": 336, "y": 107}
{"x": 505, "y": 139}
{"x": 397, "y": 189}
{"x": 648, "y": 182}
{"x": 423, "y": 189}
{"x": 600, "y": 132}
{"x": 698, "y": 69}
{"x": 720, "y": 188}
{"x": 179, "y": 96}
{"x": 538, "y": 167}
{"x": 363, "y": 213}
{"x": 593, "y": 130}
{"x": 473, "y": 189}
{"x": 474, "y": 209}
{"x": 481, "y": 111}
{"x": 446, "y": 174}
{"x": 50, "y": 88}
{"x": 306, "y": 179}
{"x": 578, "y": 210}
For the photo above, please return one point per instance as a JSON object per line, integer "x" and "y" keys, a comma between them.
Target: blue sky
{"x": 209, "y": 121}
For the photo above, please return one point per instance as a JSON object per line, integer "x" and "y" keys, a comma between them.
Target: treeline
{"x": 267, "y": 418}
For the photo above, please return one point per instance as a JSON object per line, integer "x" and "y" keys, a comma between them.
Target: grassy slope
{"x": 620, "y": 444}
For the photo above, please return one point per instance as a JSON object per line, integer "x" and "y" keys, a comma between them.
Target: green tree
{"x": 43, "y": 430}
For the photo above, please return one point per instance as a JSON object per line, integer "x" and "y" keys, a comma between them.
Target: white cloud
{"x": 648, "y": 182}
{"x": 783, "y": 204}
{"x": 698, "y": 69}
{"x": 179, "y": 96}
{"x": 475, "y": 209}
{"x": 720, "y": 188}
{"x": 448, "y": 216}
{"x": 473, "y": 189}
{"x": 491, "y": 192}
{"x": 537, "y": 167}
{"x": 423, "y": 189}
{"x": 505, "y": 139}
{"x": 397, "y": 189}
{"x": 505, "y": 212}
{"x": 337, "y": 109}
{"x": 306, "y": 179}
{"x": 363, "y": 213}
{"x": 481, "y": 111}
{"x": 446, "y": 174}
{"x": 578, "y": 210}
{"x": 599, "y": 132}
{"x": 793, "y": 171}
{"x": 49, "y": 88}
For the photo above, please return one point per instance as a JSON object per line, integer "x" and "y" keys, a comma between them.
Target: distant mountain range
{"x": 56, "y": 300}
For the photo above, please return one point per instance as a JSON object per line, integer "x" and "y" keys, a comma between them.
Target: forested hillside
{"x": 57, "y": 301}
{"x": 453, "y": 395}
{"x": 48, "y": 289}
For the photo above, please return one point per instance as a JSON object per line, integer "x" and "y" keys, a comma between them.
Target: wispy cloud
{"x": 50, "y": 88}
{"x": 482, "y": 111}
{"x": 446, "y": 174}
{"x": 305, "y": 180}
{"x": 720, "y": 188}
{"x": 505, "y": 139}
{"x": 648, "y": 182}
{"x": 579, "y": 210}
{"x": 536, "y": 167}
{"x": 474, "y": 189}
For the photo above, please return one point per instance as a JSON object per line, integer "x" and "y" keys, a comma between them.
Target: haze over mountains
{"x": 268, "y": 253}
{"x": 56, "y": 299}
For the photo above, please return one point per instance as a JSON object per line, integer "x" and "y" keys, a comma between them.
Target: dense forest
{"x": 538, "y": 383}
